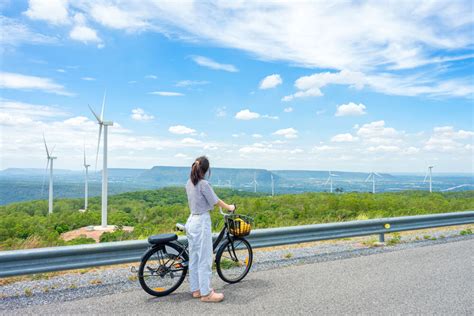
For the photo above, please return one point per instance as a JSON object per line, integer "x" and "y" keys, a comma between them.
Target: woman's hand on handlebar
{"x": 232, "y": 208}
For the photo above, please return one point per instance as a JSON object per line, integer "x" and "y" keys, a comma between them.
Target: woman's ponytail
{"x": 199, "y": 169}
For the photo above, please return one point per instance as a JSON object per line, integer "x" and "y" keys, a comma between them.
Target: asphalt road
{"x": 437, "y": 279}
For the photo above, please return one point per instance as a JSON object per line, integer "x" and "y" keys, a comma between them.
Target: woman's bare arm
{"x": 228, "y": 207}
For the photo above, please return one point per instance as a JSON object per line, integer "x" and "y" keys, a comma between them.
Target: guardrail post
{"x": 382, "y": 237}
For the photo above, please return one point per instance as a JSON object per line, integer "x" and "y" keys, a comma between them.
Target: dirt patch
{"x": 93, "y": 232}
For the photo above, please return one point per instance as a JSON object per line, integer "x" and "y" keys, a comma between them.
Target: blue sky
{"x": 361, "y": 86}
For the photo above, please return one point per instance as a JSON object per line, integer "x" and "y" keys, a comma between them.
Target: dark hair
{"x": 199, "y": 169}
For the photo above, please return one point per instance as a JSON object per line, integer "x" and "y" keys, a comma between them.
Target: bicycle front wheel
{"x": 163, "y": 269}
{"x": 234, "y": 259}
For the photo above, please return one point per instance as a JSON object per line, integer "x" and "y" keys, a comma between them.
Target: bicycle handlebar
{"x": 220, "y": 210}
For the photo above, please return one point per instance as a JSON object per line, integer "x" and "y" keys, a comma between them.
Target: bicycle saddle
{"x": 162, "y": 238}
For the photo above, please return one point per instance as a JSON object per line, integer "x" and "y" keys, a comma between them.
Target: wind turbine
{"x": 373, "y": 175}
{"x": 103, "y": 125}
{"x": 50, "y": 157}
{"x": 429, "y": 172}
{"x": 329, "y": 180}
{"x": 86, "y": 185}
{"x": 255, "y": 182}
{"x": 273, "y": 185}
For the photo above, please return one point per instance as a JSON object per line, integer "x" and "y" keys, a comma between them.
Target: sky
{"x": 384, "y": 86}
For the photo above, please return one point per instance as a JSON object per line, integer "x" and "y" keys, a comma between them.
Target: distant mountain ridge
{"x": 22, "y": 184}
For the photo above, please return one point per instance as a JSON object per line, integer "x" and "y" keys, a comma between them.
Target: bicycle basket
{"x": 239, "y": 225}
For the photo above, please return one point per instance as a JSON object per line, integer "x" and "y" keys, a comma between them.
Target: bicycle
{"x": 164, "y": 265}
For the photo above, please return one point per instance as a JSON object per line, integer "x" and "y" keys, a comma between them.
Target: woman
{"x": 201, "y": 199}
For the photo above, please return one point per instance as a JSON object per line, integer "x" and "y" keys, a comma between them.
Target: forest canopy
{"x": 28, "y": 225}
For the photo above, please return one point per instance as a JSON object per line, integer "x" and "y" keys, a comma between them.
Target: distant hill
{"x": 23, "y": 184}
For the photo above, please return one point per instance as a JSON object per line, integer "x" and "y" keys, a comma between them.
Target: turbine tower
{"x": 429, "y": 172}
{"x": 103, "y": 125}
{"x": 329, "y": 180}
{"x": 86, "y": 184}
{"x": 50, "y": 157}
{"x": 255, "y": 182}
{"x": 373, "y": 175}
{"x": 273, "y": 184}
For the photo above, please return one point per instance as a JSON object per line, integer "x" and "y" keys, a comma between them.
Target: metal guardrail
{"x": 20, "y": 262}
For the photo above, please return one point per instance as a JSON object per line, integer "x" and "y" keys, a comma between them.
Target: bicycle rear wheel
{"x": 163, "y": 269}
{"x": 234, "y": 259}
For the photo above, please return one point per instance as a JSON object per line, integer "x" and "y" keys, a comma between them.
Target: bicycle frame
{"x": 224, "y": 233}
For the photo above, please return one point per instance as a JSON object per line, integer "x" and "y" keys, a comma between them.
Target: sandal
{"x": 213, "y": 297}
{"x": 197, "y": 294}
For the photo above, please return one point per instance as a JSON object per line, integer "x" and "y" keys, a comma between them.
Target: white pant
{"x": 198, "y": 231}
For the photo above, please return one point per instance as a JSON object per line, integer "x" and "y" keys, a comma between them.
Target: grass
{"x": 227, "y": 264}
{"x": 466, "y": 232}
{"x": 96, "y": 282}
{"x": 132, "y": 278}
{"x": 288, "y": 255}
{"x": 28, "y": 292}
{"x": 396, "y": 239}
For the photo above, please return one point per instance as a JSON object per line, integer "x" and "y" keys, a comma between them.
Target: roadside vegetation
{"x": 27, "y": 224}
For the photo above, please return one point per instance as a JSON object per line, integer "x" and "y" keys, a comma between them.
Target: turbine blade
{"x": 327, "y": 181}
{"x": 426, "y": 176}
{"x": 370, "y": 175}
{"x": 51, "y": 153}
{"x": 97, "y": 118}
{"x": 46, "y": 146}
{"x": 85, "y": 163}
{"x": 378, "y": 175}
{"x": 98, "y": 146}
{"x": 103, "y": 106}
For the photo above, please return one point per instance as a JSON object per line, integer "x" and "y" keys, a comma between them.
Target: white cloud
{"x": 189, "y": 83}
{"x": 209, "y": 63}
{"x": 167, "y": 93}
{"x": 271, "y": 117}
{"x": 51, "y": 11}
{"x": 181, "y": 130}
{"x": 447, "y": 139}
{"x": 151, "y": 77}
{"x": 384, "y": 149}
{"x": 310, "y": 86}
{"x": 139, "y": 114}
{"x": 387, "y": 39}
{"x": 128, "y": 19}
{"x": 60, "y": 70}
{"x": 257, "y": 136}
{"x": 88, "y": 78}
{"x": 288, "y": 109}
{"x": 15, "y": 33}
{"x": 350, "y": 109}
{"x": 320, "y": 112}
{"x": 83, "y": 33}
{"x": 181, "y": 156}
{"x": 343, "y": 138}
{"x": 10, "y": 80}
{"x": 287, "y": 133}
{"x": 249, "y": 115}
{"x": 246, "y": 115}
{"x": 377, "y": 132}
{"x": 19, "y": 113}
{"x": 323, "y": 148}
{"x": 270, "y": 81}
{"x": 391, "y": 84}
{"x": 221, "y": 111}
{"x": 190, "y": 141}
